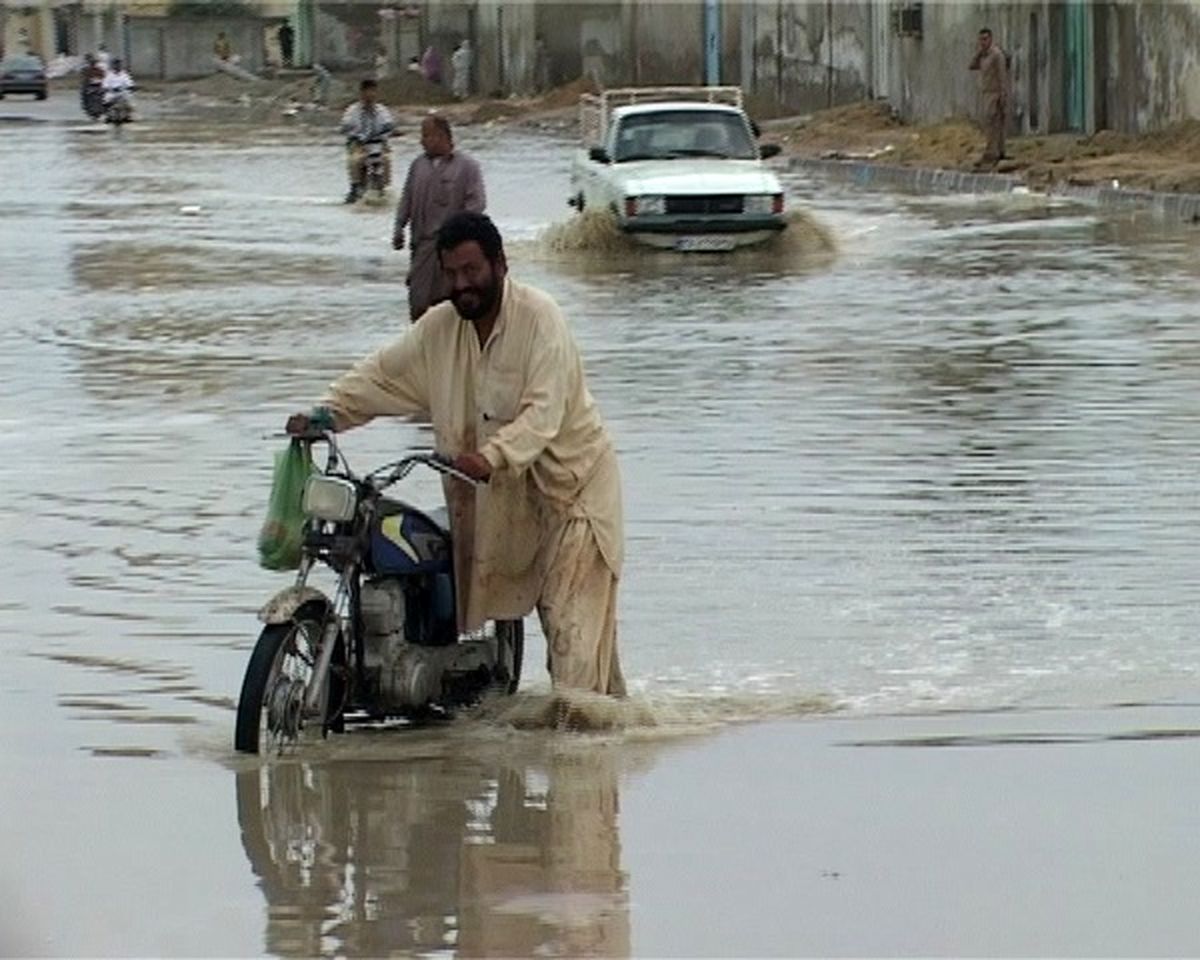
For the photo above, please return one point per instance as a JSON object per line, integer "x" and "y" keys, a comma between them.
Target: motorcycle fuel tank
{"x": 407, "y": 541}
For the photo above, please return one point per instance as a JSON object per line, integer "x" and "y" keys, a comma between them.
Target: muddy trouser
{"x": 578, "y": 610}
{"x": 994, "y": 121}
{"x": 356, "y": 155}
{"x": 427, "y": 283}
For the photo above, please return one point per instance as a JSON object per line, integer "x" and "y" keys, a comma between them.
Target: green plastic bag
{"x": 282, "y": 535}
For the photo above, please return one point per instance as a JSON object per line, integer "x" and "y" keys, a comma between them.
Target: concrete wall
{"x": 1140, "y": 69}
{"x": 181, "y": 48}
{"x": 1163, "y": 40}
{"x": 1139, "y": 62}
{"x": 668, "y": 42}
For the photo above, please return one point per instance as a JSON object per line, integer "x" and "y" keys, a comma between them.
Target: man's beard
{"x": 474, "y": 303}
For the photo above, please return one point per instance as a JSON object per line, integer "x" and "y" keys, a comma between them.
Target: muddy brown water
{"x": 932, "y": 454}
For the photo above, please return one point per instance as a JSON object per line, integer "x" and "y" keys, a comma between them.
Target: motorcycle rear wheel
{"x": 270, "y": 707}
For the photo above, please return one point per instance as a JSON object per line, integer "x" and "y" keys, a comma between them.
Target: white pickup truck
{"x": 679, "y": 167}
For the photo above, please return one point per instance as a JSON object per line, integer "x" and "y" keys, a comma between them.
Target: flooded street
{"x": 951, "y": 468}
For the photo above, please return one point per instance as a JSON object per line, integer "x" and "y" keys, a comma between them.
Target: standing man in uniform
{"x": 440, "y": 183}
{"x": 989, "y": 60}
{"x": 497, "y": 372}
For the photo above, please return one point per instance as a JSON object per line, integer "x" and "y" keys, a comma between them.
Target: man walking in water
{"x": 440, "y": 183}
{"x": 990, "y": 61}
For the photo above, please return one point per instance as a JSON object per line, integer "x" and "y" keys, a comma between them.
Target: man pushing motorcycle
{"x": 497, "y": 372}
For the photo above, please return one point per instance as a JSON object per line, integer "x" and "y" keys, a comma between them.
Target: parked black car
{"x": 23, "y": 73}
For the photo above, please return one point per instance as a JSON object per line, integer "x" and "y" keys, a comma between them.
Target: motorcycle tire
{"x": 511, "y": 633}
{"x": 265, "y": 668}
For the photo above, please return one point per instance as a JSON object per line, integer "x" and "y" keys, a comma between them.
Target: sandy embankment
{"x": 1168, "y": 160}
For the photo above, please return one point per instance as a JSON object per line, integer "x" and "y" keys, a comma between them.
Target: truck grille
{"x": 707, "y": 203}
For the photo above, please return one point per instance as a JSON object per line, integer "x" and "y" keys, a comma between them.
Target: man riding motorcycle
{"x": 91, "y": 81}
{"x": 117, "y": 87}
{"x": 365, "y": 121}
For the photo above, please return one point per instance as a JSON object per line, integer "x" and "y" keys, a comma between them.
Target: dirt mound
{"x": 952, "y": 144}
{"x": 412, "y": 88}
{"x": 868, "y": 116}
{"x": 1178, "y": 138}
{"x": 566, "y": 95}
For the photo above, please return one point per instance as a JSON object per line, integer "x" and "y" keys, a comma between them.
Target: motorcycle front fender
{"x": 283, "y": 606}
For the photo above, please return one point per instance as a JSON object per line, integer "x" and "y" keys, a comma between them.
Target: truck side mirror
{"x": 768, "y": 150}
{"x": 598, "y": 155}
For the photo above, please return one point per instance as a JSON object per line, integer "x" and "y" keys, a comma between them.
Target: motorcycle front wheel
{"x": 270, "y": 710}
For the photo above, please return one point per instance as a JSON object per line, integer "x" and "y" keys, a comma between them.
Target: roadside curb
{"x": 1183, "y": 207}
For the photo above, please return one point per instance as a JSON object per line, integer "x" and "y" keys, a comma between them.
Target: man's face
{"x": 985, "y": 42}
{"x": 370, "y": 96}
{"x": 434, "y": 142}
{"x": 475, "y": 281}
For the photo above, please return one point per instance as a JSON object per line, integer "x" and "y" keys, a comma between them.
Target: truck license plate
{"x": 704, "y": 242}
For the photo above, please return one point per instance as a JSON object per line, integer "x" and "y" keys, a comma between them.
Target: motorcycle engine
{"x": 383, "y": 612}
{"x": 402, "y": 675}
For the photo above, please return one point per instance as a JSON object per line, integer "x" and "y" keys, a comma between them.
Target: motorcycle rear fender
{"x": 283, "y": 606}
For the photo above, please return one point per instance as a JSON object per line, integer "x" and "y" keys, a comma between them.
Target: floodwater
{"x": 935, "y": 456}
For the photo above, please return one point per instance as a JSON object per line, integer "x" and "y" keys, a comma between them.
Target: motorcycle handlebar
{"x": 438, "y": 462}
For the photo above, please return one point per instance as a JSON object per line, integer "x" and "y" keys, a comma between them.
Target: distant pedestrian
{"x": 222, "y": 48}
{"x": 460, "y": 63}
{"x": 431, "y": 65}
{"x": 992, "y": 65}
{"x": 440, "y": 183}
{"x": 541, "y": 65}
{"x": 287, "y": 42}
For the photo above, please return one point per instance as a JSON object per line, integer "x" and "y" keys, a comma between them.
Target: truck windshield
{"x": 667, "y": 134}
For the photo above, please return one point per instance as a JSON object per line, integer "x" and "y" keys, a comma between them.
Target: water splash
{"x": 595, "y": 234}
{"x": 641, "y": 717}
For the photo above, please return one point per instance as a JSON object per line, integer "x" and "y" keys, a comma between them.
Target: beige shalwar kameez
{"x": 435, "y": 189}
{"x": 547, "y": 530}
{"x": 993, "y": 92}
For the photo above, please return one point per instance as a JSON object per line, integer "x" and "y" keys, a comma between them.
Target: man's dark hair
{"x": 368, "y": 83}
{"x": 441, "y": 123}
{"x": 985, "y": 30}
{"x": 465, "y": 227}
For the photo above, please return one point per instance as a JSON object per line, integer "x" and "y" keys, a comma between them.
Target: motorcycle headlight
{"x": 763, "y": 203}
{"x": 329, "y": 498}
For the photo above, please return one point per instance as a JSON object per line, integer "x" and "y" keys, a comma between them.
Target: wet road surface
{"x": 950, "y": 469}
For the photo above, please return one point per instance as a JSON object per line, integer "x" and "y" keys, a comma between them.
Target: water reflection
{"x": 511, "y": 855}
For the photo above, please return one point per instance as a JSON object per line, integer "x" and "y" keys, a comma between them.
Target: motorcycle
{"x": 119, "y": 108}
{"x": 375, "y": 177}
{"x": 374, "y": 173}
{"x": 386, "y": 644}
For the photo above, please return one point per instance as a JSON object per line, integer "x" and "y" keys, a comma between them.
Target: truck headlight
{"x": 647, "y": 205}
{"x": 764, "y": 203}
{"x": 329, "y": 498}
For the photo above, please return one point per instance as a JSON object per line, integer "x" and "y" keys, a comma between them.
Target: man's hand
{"x": 398, "y": 240}
{"x": 298, "y": 425}
{"x": 310, "y": 424}
{"x": 474, "y": 465}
